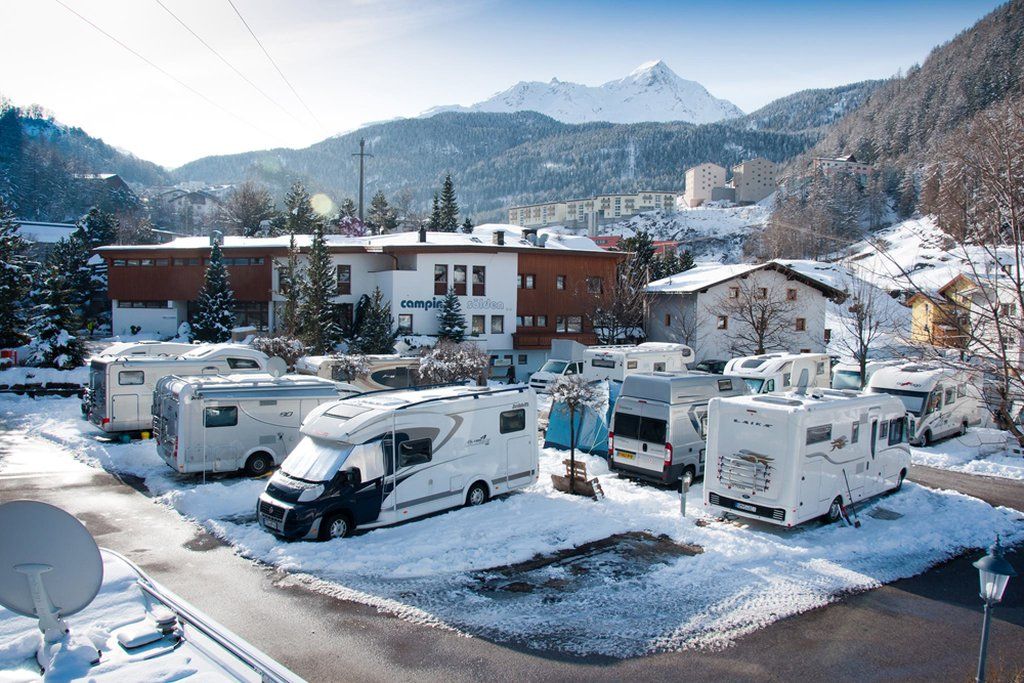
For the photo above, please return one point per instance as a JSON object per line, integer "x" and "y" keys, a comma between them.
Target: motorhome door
{"x": 519, "y": 454}
{"x": 124, "y": 408}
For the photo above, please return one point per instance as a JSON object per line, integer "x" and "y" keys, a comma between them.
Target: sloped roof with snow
{"x": 705, "y": 275}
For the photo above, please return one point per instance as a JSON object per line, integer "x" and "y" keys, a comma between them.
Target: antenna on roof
{"x": 277, "y": 366}
{"x": 51, "y": 569}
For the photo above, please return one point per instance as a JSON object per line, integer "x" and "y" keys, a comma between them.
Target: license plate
{"x": 744, "y": 506}
{"x": 272, "y": 523}
{"x": 625, "y": 455}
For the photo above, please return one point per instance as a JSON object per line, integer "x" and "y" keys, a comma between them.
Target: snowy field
{"x": 980, "y": 451}
{"x": 669, "y": 583}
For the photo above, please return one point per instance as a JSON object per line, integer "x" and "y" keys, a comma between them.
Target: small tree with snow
{"x": 285, "y": 348}
{"x": 452, "y": 362}
{"x": 319, "y": 325}
{"x": 54, "y": 344}
{"x": 215, "y": 316}
{"x": 451, "y": 321}
{"x": 350, "y": 366}
{"x": 376, "y": 331}
{"x": 576, "y": 394}
{"x": 14, "y": 280}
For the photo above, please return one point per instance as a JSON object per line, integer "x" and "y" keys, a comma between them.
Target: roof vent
{"x": 499, "y": 237}
{"x": 423, "y": 234}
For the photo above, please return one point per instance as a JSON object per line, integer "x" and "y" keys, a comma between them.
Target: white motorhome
{"x": 802, "y": 456}
{"x": 386, "y": 371}
{"x": 775, "y": 373}
{"x": 846, "y": 375}
{"x": 146, "y": 348}
{"x": 566, "y": 359}
{"x": 942, "y": 401}
{"x": 617, "y": 362}
{"x": 121, "y": 389}
{"x": 225, "y": 423}
{"x": 386, "y": 457}
{"x": 659, "y": 424}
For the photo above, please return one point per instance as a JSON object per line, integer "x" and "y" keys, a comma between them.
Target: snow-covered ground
{"x": 451, "y": 570}
{"x": 980, "y": 451}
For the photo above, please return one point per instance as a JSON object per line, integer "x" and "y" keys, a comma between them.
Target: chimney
{"x": 216, "y": 237}
{"x": 498, "y": 237}
{"x": 423, "y": 234}
{"x": 542, "y": 240}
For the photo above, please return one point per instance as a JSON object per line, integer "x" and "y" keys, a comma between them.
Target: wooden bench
{"x": 581, "y": 484}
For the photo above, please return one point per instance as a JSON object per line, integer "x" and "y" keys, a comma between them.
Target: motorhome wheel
{"x": 257, "y": 464}
{"x": 477, "y": 495}
{"x": 335, "y": 526}
{"x": 899, "y": 482}
{"x": 927, "y": 439}
{"x": 963, "y": 428}
{"x": 835, "y": 511}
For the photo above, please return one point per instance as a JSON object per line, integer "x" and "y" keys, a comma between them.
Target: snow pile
{"x": 28, "y": 375}
{"x": 981, "y": 451}
{"x": 708, "y": 233}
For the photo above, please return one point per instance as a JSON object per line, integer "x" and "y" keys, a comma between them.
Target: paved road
{"x": 993, "y": 490}
{"x": 924, "y": 628}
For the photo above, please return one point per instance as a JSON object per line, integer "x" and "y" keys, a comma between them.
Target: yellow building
{"x": 700, "y": 180}
{"x": 942, "y": 319}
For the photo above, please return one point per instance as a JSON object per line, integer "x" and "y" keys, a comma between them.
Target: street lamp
{"x": 994, "y": 572}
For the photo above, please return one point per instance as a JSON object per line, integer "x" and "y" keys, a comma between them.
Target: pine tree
{"x": 434, "y": 223}
{"x": 319, "y": 324}
{"x": 292, "y": 289}
{"x": 449, "y": 209}
{"x": 382, "y": 217}
{"x": 641, "y": 246}
{"x": 215, "y": 316}
{"x": 376, "y": 333}
{"x": 347, "y": 208}
{"x": 72, "y": 257}
{"x": 54, "y": 344}
{"x": 300, "y": 218}
{"x": 907, "y": 196}
{"x": 97, "y": 228}
{"x": 14, "y": 280}
{"x": 467, "y": 226}
{"x": 685, "y": 261}
{"x": 451, "y": 321}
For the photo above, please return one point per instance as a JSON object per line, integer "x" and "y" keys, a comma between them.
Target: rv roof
{"x": 817, "y": 400}
{"x": 666, "y": 386}
{"x": 403, "y": 397}
{"x": 211, "y": 349}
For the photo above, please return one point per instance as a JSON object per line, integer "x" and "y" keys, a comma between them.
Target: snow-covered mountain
{"x": 652, "y": 92}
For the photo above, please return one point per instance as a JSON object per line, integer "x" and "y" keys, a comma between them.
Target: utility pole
{"x": 362, "y": 155}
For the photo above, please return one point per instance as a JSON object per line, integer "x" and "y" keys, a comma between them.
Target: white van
{"x": 942, "y": 401}
{"x": 846, "y": 375}
{"x": 225, "y": 423}
{"x": 386, "y": 371}
{"x": 121, "y": 389}
{"x": 789, "y": 459}
{"x": 774, "y": 373}
{"x": 659, "y": 426}
{"x": 386, "y": 457}
{"x": 616, "y": 362}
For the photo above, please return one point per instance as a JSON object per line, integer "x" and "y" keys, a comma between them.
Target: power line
{"x": 165, "y": 72}
{"x": 226, "y": 62}
{"x": 271, "y": 59}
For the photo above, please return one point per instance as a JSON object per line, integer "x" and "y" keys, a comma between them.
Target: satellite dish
{"x": 277, "y": 366}
{"x": 50, "y": 566}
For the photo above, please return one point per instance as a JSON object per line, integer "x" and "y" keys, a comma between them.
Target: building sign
{"x": 474, "y": 304}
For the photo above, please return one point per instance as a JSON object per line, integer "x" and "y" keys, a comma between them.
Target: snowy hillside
{"x": 651, "y": 92}
{"x": 709, "y": 233}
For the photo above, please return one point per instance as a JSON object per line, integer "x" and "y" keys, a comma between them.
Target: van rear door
{"x": 653, "y": 437}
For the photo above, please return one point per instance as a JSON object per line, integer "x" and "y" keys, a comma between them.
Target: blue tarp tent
{"x": 591, "y": 425}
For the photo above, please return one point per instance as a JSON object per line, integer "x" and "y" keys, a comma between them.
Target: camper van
{"x": 121, "y": 389}
{"x": 659, "y": 424}
{"x": 801, "y": 456}
{"x": 225, "y": 423}
{"x": 386, "y": 457}
{"x": 775, "y": 373}
{"x": 942, "y": 401}
{"x": 616, "y": 362}
{"x": 386, "y": 371}
{"x": 846, "y": 375}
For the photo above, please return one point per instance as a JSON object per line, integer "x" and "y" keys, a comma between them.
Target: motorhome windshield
{"x": 913, "y": 401}
{"x": 846, "y": 379}
{"x": 754, "y": 384}
{"x": 316, "y": 460}
{"x": 555, "y": 367}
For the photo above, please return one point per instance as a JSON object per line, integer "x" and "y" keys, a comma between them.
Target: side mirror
{"x": 353, "y": 476}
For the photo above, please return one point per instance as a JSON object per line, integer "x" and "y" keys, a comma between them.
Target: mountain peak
{"x": 651, "y": 92}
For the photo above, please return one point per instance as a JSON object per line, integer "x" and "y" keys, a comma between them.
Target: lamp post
{"x": 994, "y": 572}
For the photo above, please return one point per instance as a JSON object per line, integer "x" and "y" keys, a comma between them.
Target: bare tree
{"x": 758, "y": 315}
{"x": 868, "y": 322}
{"x": 617, "y": 309}
{"x": 245, "y": 209}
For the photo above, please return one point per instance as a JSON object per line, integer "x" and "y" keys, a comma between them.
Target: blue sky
{"x": 355, "y": 61}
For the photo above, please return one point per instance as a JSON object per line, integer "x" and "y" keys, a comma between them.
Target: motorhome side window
{"x": 512, "y": 421}
{"x": 659, "y": 367}
{"x": 725, "y": 385}
{"x": 896, "y": 432}
{"x": 243, "y": 364}
{"x": 127, "y": 377}
{"x": 819, "y": 434}
{"x": 224, "y": 416}
{"x": 883, "y": 430}
{"x": 820, "y": 369}
{"x": 631, "y": 365}
{"x": 950, "y": 395}
{"x": 769, "y": 386}
{"x": 414, "y": 452}
{"x": 934, "y": 401}
{"x": 602, "y": 363}
{"x": 787, "y": 379}
{"x": 855, "y": 433}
